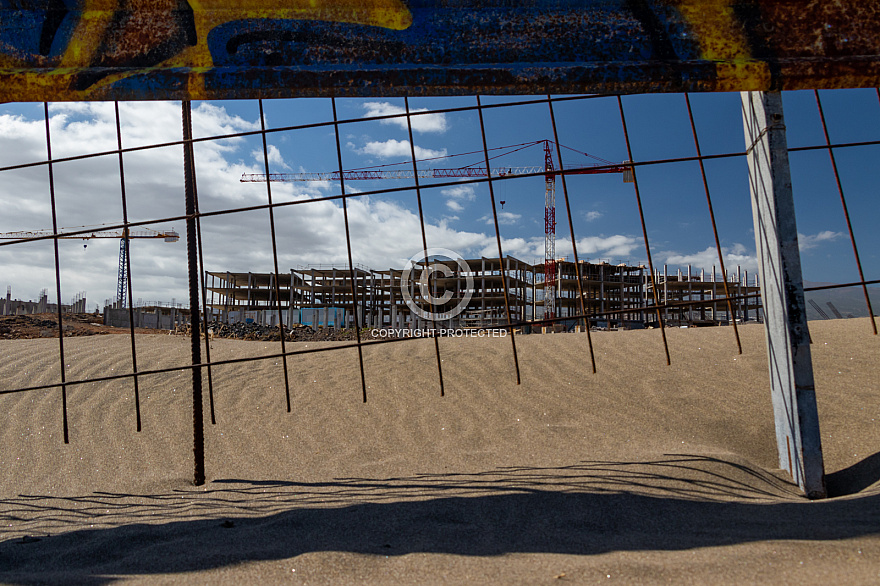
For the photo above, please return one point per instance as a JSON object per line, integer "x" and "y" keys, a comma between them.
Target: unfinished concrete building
{"x": 614, "y": 294}
{"x": 239, "y": 297}
{"x": 324, "y": 295}
{"x": 10, "y": 306}
{"x": 474, "y": 295}
{"x": 697, "y": 299}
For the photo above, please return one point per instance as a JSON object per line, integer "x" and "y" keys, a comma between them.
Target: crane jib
{"x": 456, "y": 173}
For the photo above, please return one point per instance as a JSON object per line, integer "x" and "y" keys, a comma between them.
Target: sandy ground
{"x": 643, "y": 473}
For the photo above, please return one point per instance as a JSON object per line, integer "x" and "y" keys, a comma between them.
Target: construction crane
{"x": 123, "y": 235}
{"x": 549, "y": 170}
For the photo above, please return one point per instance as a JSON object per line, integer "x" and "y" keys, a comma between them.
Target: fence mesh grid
{"x": 662, "y": 174}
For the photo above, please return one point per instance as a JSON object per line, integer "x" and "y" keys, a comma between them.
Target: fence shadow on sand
{"x": 675, "y": 503}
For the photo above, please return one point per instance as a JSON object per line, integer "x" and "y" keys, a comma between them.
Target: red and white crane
{"x": 549, "y": 171}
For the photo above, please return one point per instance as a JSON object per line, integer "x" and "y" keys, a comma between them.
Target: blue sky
{"x": 385, "y": 227}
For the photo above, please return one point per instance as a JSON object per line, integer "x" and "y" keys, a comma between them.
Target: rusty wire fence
{"x": 655, "y": 181}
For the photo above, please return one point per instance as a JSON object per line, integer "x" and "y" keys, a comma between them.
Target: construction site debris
{"x": 267, "y": 333}
{"x": 45, "y": 325}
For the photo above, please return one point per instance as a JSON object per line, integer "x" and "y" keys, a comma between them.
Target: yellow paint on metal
{"x": 88, "y": 34}
{"x": 98, "y": 17}
{"x": 209, "y": 14}
{"x": 161, "y": 48}
{"x": 723, "y": 41}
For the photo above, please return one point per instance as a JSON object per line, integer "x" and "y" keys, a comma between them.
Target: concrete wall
{"x": 152, "y": 318}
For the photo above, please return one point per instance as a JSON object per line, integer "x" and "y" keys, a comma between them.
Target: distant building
{"x": 10, "y": 306}
{"x": 614, "y": 296}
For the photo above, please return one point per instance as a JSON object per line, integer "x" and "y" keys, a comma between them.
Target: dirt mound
{"x": 45, "y": 325}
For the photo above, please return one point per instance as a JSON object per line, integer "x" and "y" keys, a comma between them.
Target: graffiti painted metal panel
{"x": 213, "y": 49}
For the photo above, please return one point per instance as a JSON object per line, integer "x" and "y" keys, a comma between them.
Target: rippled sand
{"x": 642, "y": 473}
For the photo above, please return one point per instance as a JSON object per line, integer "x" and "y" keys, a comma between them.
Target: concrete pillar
{"x": 644, "y": 297}
{"x": 702, "y": 295}
{"x": 690, "y": 294}
{"x": 272, "y": 296}
{"x": 249, "y": 291}
{"x": 737, "y": 307}
{"x": 370, "y": 318}
{"x": 482, "y": 287}
{"x": 290, "y": 302}
{"x": 714, "y": 295}
{"x": 793, "y": 392}
{"x": 665, "y": 292}
{"x": 312, "y": 300}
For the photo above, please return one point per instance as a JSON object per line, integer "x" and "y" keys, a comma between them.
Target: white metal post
{"x": 788, "y": 341}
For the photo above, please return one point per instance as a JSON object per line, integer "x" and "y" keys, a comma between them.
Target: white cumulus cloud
{"x": 420, "y": 122}
{"x": 806, "y": 242}
{"x": 736, "y": 255}
{"x": 456, "y": 195}
{"x": 276, "y": 160}
{"x": 399, "y": 149}
{"x": 504, "y": 218}
{"x": 461, "y": 192}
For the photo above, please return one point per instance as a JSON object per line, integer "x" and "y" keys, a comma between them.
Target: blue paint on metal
{"x": 172, "y": 50}
{"x": 36, "y": 31}
{"x": 440, "y": 37}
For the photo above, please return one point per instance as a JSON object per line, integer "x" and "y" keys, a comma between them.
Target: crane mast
{"x": 121, "y": 280}
{"x": 549, "y": 235}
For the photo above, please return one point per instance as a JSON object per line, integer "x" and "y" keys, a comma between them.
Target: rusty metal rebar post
{"x": 412, "y": 146}
{"x": 193, "y": 279}
{"x": 577, "y": 264}
{"x": 644, "y": 231}
{"x": 50, "y": 166}
{"x": 275, "y": 255}
{"x": 849, "y": 227}
{"x": 137, "y": 401}
{"x": 498, "y": 240}
{"x": 354, "y": 297}
{"x": 714, "y": 225}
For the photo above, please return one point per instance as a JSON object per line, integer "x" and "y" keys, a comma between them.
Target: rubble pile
{"x": 266, "y": 333}
{"x": 42, "y": 326}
